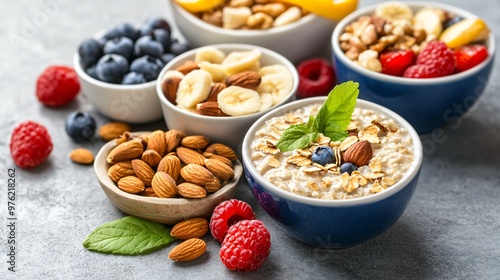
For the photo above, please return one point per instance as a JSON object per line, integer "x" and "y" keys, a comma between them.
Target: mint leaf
{"x": 296, "y": 137}
{"x": 128, "y": 236}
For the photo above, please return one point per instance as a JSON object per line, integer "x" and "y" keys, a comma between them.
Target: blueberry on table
{"x": 323, "y": 155}
{"x": 80, "y": 126}
{"x": 90, "y": 51}
{"x": 347, "y": 167}
{"x": 120, "y": 45}
{"x": 146, "y": 45}
{"x": 147, "y": 65}
{"x": 133, "y": 78}
{"x": 177, "y": 47}
{"x": 111, "y": 68}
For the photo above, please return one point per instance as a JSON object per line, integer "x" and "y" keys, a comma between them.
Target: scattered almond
{"x": 81, "y": 156}
{"x": 188, "y": 250}
{"x": 190, "y": 228}
{"x": 113, "y": 130}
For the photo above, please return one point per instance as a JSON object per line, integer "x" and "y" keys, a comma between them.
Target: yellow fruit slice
{"x": 195, "y": 6}
{"x": 463, "y": 32}
{"x": 330, "y": 9}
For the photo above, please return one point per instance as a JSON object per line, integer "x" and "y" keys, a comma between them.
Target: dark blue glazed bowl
{"x": 332, "y": 224}
{"x": 426, "y": 104}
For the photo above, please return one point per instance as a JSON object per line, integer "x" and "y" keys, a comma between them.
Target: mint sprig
{"x": 128, "y": 236}
{"x": 332, "y": 119}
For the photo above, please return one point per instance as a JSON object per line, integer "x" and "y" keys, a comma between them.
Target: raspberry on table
{"x": 396, "y": 62}
{"x": 437, "y": 55}
{"x": 57, "y": 86}
{"x": 30, "y": 144}
{"x": 228, "y": 213}
{"x": 470, "y": 56}
{"x": 246, "y": 246}
{"x": 316, "y": 78}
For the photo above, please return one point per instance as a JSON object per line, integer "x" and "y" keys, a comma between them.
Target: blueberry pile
{"x": 126, "y": 55}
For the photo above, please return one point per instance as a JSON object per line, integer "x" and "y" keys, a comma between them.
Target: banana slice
{"x": 266, "y": 101}
{"x": 236, "y": 62}
{"x": 209, "y": 54}
{"x": 278, "y": 85}
{"x": 216, "y": 70}
{"x": 394, "y": 11}
{"x": 238, "y": 101}
{"x": 193, "y": 88}
{"x": 274, "y": 69}
{"x": 429, "y": 21}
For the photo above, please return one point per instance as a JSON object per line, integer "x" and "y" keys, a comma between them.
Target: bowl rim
{"x": 176, "y": 8}
{"x": 224, "y": 47}
{"x": 410, "y": 174}
{"x": 101, "y": 167}
{"x": 339, "y": 54}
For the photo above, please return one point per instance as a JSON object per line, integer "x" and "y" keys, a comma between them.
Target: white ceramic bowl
{"x": 228, "y": 130}
{"x": 297, "y": 41}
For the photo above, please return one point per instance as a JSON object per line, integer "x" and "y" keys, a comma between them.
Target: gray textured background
{"x": 449, "y": 231}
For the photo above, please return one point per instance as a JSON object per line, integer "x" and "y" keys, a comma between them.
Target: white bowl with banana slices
{"x": 220, "y": 90}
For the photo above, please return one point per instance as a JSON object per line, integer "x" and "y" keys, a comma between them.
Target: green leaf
{"x": 335, "y": 132}
{"x": 128, "y": 236}
{"x": 296, "y": 137}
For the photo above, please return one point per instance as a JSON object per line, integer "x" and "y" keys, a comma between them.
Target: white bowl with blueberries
{"x": 118, "y": 68}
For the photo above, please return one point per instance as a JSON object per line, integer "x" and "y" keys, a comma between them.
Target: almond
{"x": 190, "y": 228}
{"x": 210, "y": 108}
{"x": 157, "y": 142}
{"x": 222, "y": 150}
{"x": 197, "y": 174}
{"x": 81, "y": 156}
{"x": 126, "y": 151}
{"x": 131, "y": 184}
{"x": 149, "y": 192}
{"x": 214, "y": 91}
{"x": 113, "y": 130}
{"x": 143, "y": 171}
{"x": 151, "y": 157}
{"x": 171, "y": 165}
{"x": 195, "y": 142}
{"x": 187, "y": 67}
{"x": 120, "y": 170}
{"x": 246, "y": 79}
{"x": 219, "y": 169}
{"x": 359, "y": 153}
{"x": 190, "y": 190}
{"x": 169, "y": 88}
{"x": 213, "y": 186}
{"x": 224, "y": 160}
{"x": 163, "y": 185}
{"x": 173, "y": 138}
{"x": 188, "y": 250}
{"x": 190, "y": 156}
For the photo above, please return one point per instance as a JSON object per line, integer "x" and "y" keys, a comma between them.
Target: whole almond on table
{"x": 131, "y": 184}
{"x": 171, "y": 165}
{"x": 129, "y": 150}
{"x": 222, "y": 150}
{"x": 359, "y": 153}
{"x": 163, "y": 185}
{"x": 190, "y": 228}
{"x": 189, "y": 156}
{"x": 157, "y": 142}
{"x": 143, "y": 171}
{"x": 151, "y": 157}
{"x": 173, "y": 138}
{"x": 113, "y": 130}
{"x": 190, "y": 190}
{"x": 195, "y": 142}
{"x": 188, "y": 250}
{"x": 219, "y": 169}
{"x": 81, "y": 156}
{"x": 197, "y": 174}
{"x": 246, "y": 79}
{"x": 120, "y": 170}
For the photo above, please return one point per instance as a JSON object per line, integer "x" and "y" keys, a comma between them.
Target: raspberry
{"x": 437, "y": 55}
{"x": 57, "y": 86}
{"x": 421, "y": 71}
{"x": 396, "y": 62}
{"x": 316, "y": 77}
{"x": 30, "y": 144}
{"x": 246, "y": 246}
{"x": 470, "y": 56}
{"x": 228, "y": 213}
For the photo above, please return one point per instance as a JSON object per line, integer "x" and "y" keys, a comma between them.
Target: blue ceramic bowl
{"x": 427, "y": 104}
{"x": 332, "y": 224}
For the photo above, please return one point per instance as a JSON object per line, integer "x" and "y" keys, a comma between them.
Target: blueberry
{"x": 92, "y": 72}
{"x": 80, "y": 126}
{"x": 111, "y": 68}
{"x": 120, "y": 45}
{"x": 162, "y": 36}
{"x": 133, "y": 78}
{"x": 167, "y": 57}
{"x": 347, "y": 167}
{"x": 90, "y": 51}
{"x": 145, "y": 30}
{"x": 452, "y": 21}
{"x": 158, "y": 23}
{"x": 323, "y": 155}
{"x": 111, "y": 34}
{"x": 149, "y": 66}
{"x": 127, "y": 30}
{"x": 146, "y": 45}
{"x": 177, "y": 47}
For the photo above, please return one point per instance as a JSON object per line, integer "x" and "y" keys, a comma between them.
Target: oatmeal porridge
{"x": 379, "y": 151}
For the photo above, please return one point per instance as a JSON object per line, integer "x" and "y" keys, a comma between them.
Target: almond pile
{"x": 170, "y": 164}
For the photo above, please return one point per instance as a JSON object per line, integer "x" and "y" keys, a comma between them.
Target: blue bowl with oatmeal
{"x": 318, "y": 204}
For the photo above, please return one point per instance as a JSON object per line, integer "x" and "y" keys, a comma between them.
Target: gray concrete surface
{"x": 449, "y": 231}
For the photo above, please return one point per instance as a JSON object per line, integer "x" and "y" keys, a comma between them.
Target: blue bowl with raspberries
{"x": 431, "y": 70}
{"x": 118, "y": 68}
{"x": 284, "y": 188}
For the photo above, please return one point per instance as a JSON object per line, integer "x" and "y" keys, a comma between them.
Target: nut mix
{"x": 170, "y": 164}
{"x": 220, "y": 84}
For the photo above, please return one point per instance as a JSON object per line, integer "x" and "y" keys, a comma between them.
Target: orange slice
{"x": 463, "y": 32}
{"x": 195, "y": 6}
{"x": 330, "y": 9}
